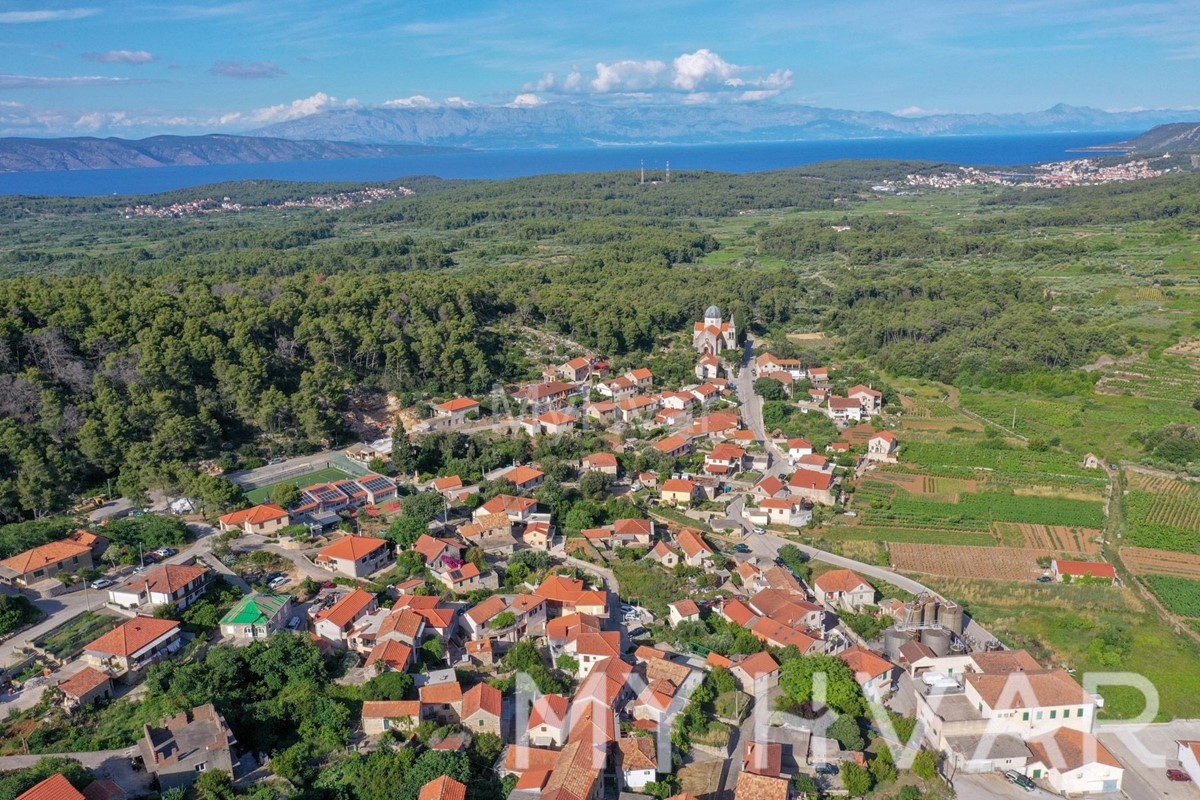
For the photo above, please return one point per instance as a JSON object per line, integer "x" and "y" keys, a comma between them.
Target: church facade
{"x": 713, "y": 335}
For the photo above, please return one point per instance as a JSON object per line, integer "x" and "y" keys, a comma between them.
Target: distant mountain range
{"x": 1160, "y": 139}
{"x": 41, "y": 155}
{"x": 588, "y": 124}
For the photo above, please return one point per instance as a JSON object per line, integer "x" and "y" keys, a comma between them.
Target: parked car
{"x": 102, "y": 583}
{"x": 150, "y": 558}
{"x": 1016, "y": 778}
{"x": 760, "y": 530}
{"x": 293, "y": 623}
{"x": 1179, "y": 776}
{"x": 741, "y": 548}
{"x": 1044, "y": 579}
{"x": 328, "y": 584}
{"x": 826, "y": 769}
{"x": 638, "y": 632}
{"x": 165, "y": 552}
{"x": 275, "y": 583}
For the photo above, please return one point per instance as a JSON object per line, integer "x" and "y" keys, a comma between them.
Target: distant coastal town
{"x": 1053, "y": 175}
{"x": 209, "y": 205}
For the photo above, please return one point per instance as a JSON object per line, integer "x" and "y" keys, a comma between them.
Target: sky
{"x": 135, "y": 68}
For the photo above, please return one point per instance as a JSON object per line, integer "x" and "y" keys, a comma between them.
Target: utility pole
{"x": 643, "y": 179}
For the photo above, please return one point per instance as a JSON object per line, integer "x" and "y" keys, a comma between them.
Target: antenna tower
{"x": 643, "y": 180}
{"x": 668, "y": 172}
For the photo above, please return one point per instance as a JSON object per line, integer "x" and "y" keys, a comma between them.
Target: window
{"x": 1039, "y": 715}
{"x": 1053, "y": 714}
{"x": 1079, "y": 712}
{"x": 1037, "y": 773}
{"x": 1025, "y": 716}
{"x": 481, "y": 723}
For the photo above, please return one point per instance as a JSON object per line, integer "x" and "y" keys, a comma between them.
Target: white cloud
{"x": 457, "y": 102}
{"x": 249, "y": 71}
{"x": 917, "y": 111}
{"x": 282, "y": 112}
{"x": 57, "y": 82}
{"x": 99, "y": 119}
{"x": 701, "y": 68}
{"x": 416, "y": 101}
{"x": 703, "y": 73}
{"x": 121, "y": 57}
{"x": 526, "y": 100}
{"x": 629, "y": 76}
{"x": 48, "y": 15}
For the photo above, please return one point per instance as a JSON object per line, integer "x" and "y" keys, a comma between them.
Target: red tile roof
{"x": 443, "y": 787}
{"x": 351, "y": 548}
{"x": 83, "y": 682}
{"x": 347, "y": 609}
{"x": 449, "y": 482}
{"x": 506, "y": 503}
{"x": 862, "y": 661}
{"x": 841, "y": 580}
{"x": 56, "y": 787}
{"x": 392, "y": 653}
{"x": 169, "y": 578}
{"x": 1091, "y": 569}
{"x": 559, "y": 588}
{"x": 131, "y": 636}
{"x": 810, "y": 479}
{"x": 391, "y": 709}
{"x": 686, "y": 608}
{"x": 522, "y": 475}
{"x": 265, "y": 512}
{"x": 680, "y": 485}
{"x": 442, "y": 693}
{"x": 44, "y": 555}
{"x": 458, "y": 404}
{"x": 600, "y": 460}
{"x": 692, "y": 543}
{"x": 758, "y": 665}
{"x": 549, "y": 710}
{"x": 482, "y": 697}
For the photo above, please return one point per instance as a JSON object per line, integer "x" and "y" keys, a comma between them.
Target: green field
{"x": 1181, "y": 595}
{"x": 67, "y": 640}
{"x": 327, "y": 475}
{"x": 1163, "y": 514}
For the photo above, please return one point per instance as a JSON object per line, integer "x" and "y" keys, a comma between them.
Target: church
{"x": 712, "y": 335}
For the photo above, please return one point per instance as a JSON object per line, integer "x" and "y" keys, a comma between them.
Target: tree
{"x": 19, "y": 781}
{"x": 925, "y": 764}
{"x": 215, "y": 784}
{"x": 566, "y": 663}
{"x": 378, "y": 466}
{"x": 388, "y": 686}
{"x": 404, "y": 458}
{"x": 667, "y": 786}
{"x": 883, "y": 766}
{"x": 843, "y": 693}
{"x": 856, "y": 779}
{"x": 595, "y": 485}
{"x": 503, "y": 620}
{"x": 431, "y": 765}
{"x": 770, "y": 389}
{"x": 845, "y": 729}
{"x": 285, "y": 494}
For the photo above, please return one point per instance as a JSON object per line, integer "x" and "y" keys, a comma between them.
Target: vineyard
{"x": 956, "y": 561}
{"x": 875, "y": 533}
{"x": 1172, "y": 378}
{"x": 1144, "y": 561}
{"x": 1163, "y": 513}
{"x": 1051, "y": 538}
{"x": 1181, "y": 595}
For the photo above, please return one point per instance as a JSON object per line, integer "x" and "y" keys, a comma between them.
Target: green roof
{"x": 254, "y": 609}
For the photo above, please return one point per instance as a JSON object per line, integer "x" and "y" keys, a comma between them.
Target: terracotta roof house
{"x": 845, "y": 589}
{"x": 178, "y": 585}
{"x": 45, "y": 561}
{"x": 334, "y": 625}
{"x": 518, "y": 509}
{"x": 456, "y": 412}
{"x": 548, "y": 720}
{"x": 874, "y": 673}
{"x": 633, "y": 531}
{"x": 1069, "y": 571}
{"x": 752, "y": 786}
{"x": 86, "y": 687}
{"x": 526, "y": 479}
{"x": 694, "y": 548}
{"x": 664, "y": 554}
{"x": 357, "y": 556}
{"x": 56, "y": 787}
{"x": 1074, "y": 763}
{"x": 482, "y": 706}
{"x": 638, "y": 761}
{"x": 678, "y": 491}
{"x": 467, "y": 578}
{"x": 262, "y": 519}
{"x": 770, "y": 487}
{"x": 134, "y": 644}
{"x": 684, "y": 611}
{"x": 443, "y": 787}
{"x": 442, "y": 701}
{"x": 379, "y": 716}
{"x": 747, "y": 671}
{"x": 673, "y": 446}
{"x": 816, "y": 487}
{"x": 763, "y": 758}
{"x": 438, "y": 553}
{"x": 600, "y": 462}
{"x": 394, "y": 655}
{"x": 882, "y": 447}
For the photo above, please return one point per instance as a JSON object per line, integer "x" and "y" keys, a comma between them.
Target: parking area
{"x": 1143, "y": 781}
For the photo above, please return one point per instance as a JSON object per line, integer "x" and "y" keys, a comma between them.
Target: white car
{"x": 760, "y": 530}
{"x": 277, "y": 582}
{"x": 101, "y": 583}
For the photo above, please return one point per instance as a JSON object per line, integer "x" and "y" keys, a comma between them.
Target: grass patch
{"x": 328, "y": 475}
{"x": 67, "y": 640}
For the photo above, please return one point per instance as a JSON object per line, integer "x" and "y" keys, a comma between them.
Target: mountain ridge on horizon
{"x": 589, "y": 125}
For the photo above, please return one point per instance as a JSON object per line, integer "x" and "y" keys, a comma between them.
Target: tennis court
{"x": 263, "y": 493}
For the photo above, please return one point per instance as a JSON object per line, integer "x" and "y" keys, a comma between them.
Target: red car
{"x": 1179, "y": 776}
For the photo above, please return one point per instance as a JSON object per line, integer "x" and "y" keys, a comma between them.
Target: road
{"x": 766, "y": 545}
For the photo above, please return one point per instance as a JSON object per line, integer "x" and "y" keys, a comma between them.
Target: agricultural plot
{"x": 1051, "y": 538}
{"x": 1163, "y": 513}
{"x": 997, "y": 457}
{"x": 929, "y": 535}
{"x": 1173, "y": 379}
{"x": 67, "y": 640}
{"x": 1181, "y": 595}
{"x": 973, "y": 511}
{"x": 1145, "y": 561}
{"x": 959, "y": 561}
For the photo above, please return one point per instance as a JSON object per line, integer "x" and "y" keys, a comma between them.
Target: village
{"x": 489, "y": 583}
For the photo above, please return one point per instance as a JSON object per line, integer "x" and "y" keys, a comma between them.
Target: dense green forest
{"x": 132, "y": 347}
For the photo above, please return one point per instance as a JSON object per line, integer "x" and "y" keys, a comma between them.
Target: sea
{"x": 996, "y": 151}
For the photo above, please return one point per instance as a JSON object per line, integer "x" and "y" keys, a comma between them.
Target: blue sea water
{"x": 754, "y": 157}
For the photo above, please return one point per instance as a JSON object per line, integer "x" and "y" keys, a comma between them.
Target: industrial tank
{"x": 936, "y": 640}
{"x": 950, "y": 617}
{"x": 929, "y": 612}
{"x": 893, "y": 640}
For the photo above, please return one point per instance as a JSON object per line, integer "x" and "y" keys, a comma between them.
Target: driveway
{"x": 111, "y": 764}
{"x": 1144, "y": 780}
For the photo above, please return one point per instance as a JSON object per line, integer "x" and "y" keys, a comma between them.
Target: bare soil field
{"x": 1052, "y": 538}
{"x": 939, "y": 424}
{"x": 1145, "y": 561}
{"x": 965, "y": 561}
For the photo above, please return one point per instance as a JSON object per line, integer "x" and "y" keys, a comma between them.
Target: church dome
{"x": 712, "y": 313}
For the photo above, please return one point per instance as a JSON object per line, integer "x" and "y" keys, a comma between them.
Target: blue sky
{"x": 138, "y": 68}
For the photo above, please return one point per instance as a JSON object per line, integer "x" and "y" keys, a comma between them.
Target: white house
{"x": 684, "y": 611}
{"x": 171, "y": 584}
{"x": 842, "y": 588}
{"x": 1073, "y": 763}
{"x": 871, "y": 400}
{"x": 639, "y": 761}
{"x": 882, "y": 447}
